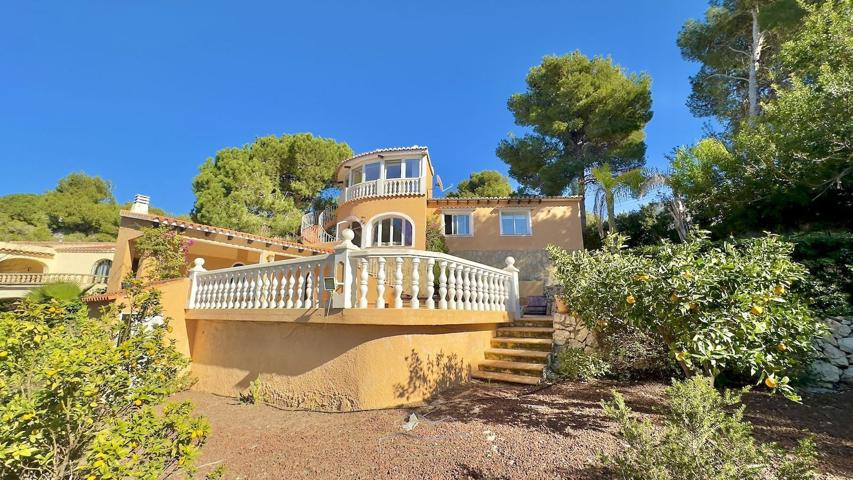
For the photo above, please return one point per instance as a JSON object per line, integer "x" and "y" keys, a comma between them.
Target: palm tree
{"x": 610, "y": 187}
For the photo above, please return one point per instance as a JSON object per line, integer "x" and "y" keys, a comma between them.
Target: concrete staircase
{"x": 519, "y": 352}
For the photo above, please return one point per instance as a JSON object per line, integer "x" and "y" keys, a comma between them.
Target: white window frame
{"x": 378, "y": 220}
{"x": 404, "y": 171}
{"x": 467, "y": 212}
{"x": 516, "y": 211}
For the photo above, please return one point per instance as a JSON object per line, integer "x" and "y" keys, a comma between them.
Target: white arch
{"x": 367, "y": 237}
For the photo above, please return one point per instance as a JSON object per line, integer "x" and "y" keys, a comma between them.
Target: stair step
{"x": 523, "y": 355}
{"x": 505, "y": 377}
{"x": 528, "y": 322}
{"x": 519, "y": 368}
{"x": 543, "y": 344}
{"x": 538, "y": 332}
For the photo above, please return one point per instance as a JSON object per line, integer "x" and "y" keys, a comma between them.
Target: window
{"x": 515, "y": 223}
{"x": 392, "y": 232}
{"x": 357, "y": 176}
{"x": 102, "y": 268}
{"x": 457, "y": 224}
{"x": 394, "y": 169}
{"x": 371, "y": 171}
{"x": 413, "y": 168}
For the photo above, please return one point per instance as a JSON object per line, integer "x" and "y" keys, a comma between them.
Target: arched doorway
{"x": 356, "y": 228}
{"x": 22, "y": 265}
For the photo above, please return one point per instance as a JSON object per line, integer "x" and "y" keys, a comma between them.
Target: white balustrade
{"x": 384, "y": 187}
{"x": 42, "y": 278}
{"x": 411, "y": 279}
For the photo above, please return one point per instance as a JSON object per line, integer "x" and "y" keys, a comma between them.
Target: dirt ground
{"x": 481, "y": 431}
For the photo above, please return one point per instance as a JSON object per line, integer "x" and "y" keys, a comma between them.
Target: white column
{"x": 460, "y": 291}
{"x": 362, "y": 299}
{"x": 416, "y": 282}
{"x": 198, "y": 267}
{"x": 514, "y": 298}
{"x": 291, "y": 283}
{"x": 442, "y": 285}
{"x": 430, "y": 303}
{"x": 398, "y": 283}
{"x": 380, "y": 284}
{"x": 451, "y": 286}
{"x": 309, "y": 288}
{"x": 466, "y": 285}
{"x": 343, "y": 299}
{"x": 300, "y": 287}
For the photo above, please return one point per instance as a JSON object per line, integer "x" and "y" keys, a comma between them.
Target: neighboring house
{"x": 387, "y": 199}
{"x": 359, "y": 315}
{"x": 27, "y": 265}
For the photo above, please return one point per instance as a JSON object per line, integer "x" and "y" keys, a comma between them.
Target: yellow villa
{"x": 28, "y": 265}
{"x": 358, "y": 314}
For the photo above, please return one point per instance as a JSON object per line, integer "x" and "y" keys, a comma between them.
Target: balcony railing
{"x": 364, "y": 278}
{"x": 384, "y": 187}
{"x": 30, "y": 279}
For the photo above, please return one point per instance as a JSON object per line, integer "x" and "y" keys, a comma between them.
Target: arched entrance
{"x": 22, "y": 265}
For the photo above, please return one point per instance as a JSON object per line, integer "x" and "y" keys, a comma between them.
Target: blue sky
{"x": 141, "y": 93}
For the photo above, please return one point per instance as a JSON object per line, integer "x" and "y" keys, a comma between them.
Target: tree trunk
{"x": 754, "y": 64}
{"x": 582, "y": 193}
{"x": 611, "y": 215}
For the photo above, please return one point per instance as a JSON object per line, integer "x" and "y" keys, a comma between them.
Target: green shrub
{"x": 82, "y": 397}
{"x": 828, "y": 256}
{"x": 716, "y": 308}
{"x": 166, "y": 250}
{"x": 60, "y": 291}
{"x": 254, "y": 395}
{"x": 704, "y": 437}
{"x": 632, "y": 353}
{"x": 577, "y": 364}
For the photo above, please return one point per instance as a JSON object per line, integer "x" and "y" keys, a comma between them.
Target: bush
{"x": 81, "y": 397}
{"x": 634, "y": 354}
{"x": 704, "y": 436}
{"x": 576, "y": 364}
{"x": 716, "y": 308}
{"x": 61, "y": 291}
{"x": 166, "y": 250}
{"x": 828, "y": 256}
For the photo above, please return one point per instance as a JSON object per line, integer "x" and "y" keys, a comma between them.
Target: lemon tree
{"x": 717, "y": 308}
{"x": 83, "y": 397}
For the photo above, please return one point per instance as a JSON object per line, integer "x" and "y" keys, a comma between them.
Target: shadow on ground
{"x": 561, "y": 408}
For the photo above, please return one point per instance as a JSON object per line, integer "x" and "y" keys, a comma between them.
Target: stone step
{"x": 533, "y": 322}
{"x": 531, "y": 356}
{"x": 516, "y": 368}
{"x": 505, "y": 377}
{"x": 542, "y": 344}
{"x": 530, "y": 332}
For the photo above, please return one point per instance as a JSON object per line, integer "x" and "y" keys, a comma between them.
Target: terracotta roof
{"x": 413, "y": 148}
{"x": 93, "y": 247}
{"x": 436, "y": 202}
{"x": 177, "y": 222}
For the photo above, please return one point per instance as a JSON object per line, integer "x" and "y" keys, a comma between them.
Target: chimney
{"x": 140, "y": 203}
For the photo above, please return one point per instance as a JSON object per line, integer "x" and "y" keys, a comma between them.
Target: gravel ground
{"x": 480, "y": 431}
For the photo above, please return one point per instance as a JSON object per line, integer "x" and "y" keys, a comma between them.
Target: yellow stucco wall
{"x": 366, "y": 210}
{"x": 553, "y": 222}
{"x": 334, "y": 367}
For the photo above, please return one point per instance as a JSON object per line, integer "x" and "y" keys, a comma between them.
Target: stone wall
{"x": 837, "y": 346}
{"x": 571, "y": 332}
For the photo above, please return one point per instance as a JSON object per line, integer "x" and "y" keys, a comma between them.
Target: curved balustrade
{"x": 384, "y": 188}
{"x": 43, "y": 278}
{"x": 286, "y": 284}
{"x": 371, "y": 278}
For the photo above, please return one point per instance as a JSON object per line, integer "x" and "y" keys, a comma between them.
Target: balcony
{"x": 36, "y": 279}
{"x": 388, "y": 187}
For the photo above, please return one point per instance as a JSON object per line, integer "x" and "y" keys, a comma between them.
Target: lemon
{"x": 643, "y": 277}
{"x": 781, "y": 347}
{"x": 674, "y": 297}
{"x": 779, "y": 290}
{"x": 4, "y": 354}
{"x": 137, "y": 402}
{"x": 694, "y": 306}
{"x": 27, "y": 416}
{"x": 681, "y": 356}
{"x": 757, "y": 310}
{"x": 630, "y": 299}
{"x": 771, "y": 382}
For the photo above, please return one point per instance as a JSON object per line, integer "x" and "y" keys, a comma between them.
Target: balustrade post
{"x": 343, "y": 299}
{"x": 198, "y": 266}
{"x": 442, "y": 285}
{"x": 398, "y": 283}
{"x": 430, "y": 303}
{"x": 514, "y": 300}
{"x": 416, "y": 282}
{"x": 380, "y": 283}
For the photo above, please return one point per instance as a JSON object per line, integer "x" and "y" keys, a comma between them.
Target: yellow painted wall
{"x": 414, "y": 207}
{"x": 334, "y": 367}
{"x": 552, "y": 223}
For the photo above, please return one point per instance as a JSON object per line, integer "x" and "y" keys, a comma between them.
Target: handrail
{"x": 24, "y": 278}
{"x": 385, "y": 187}
{"x": 368, "y": 278}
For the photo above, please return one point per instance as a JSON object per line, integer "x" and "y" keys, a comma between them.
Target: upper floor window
{"x": 392, "y": 232}
{"x": 408, "y": 168}
{"x": 371, "y": 171}
{"x": 458, "y": 224}
{"x": 516, "y": 223}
